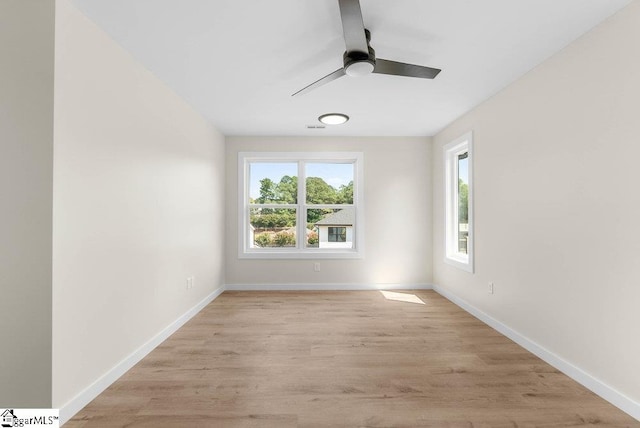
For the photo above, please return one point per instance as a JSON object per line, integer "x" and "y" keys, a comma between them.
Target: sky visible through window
{"x": 463, "y": 170}
{"x": 334, "y": 174}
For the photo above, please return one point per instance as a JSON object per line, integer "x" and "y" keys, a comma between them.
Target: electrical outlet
{"x": 190, "y": 282}
{"x": 490, "y": 290}
{"x": 316, "y": 267}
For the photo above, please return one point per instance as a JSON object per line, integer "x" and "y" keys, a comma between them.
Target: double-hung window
{"x": 459, "y": 202}
{"x": 300, "y": 205}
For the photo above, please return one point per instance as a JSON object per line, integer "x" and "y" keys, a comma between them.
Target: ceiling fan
{"x": 360, "y": 58}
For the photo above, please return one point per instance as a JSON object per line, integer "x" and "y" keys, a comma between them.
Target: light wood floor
{"x": 342, "y": 359}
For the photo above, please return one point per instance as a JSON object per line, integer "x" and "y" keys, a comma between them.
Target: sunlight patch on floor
{"x": 402, "y": 297}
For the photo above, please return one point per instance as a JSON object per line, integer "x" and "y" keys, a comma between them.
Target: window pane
{"x": 329, "y": 183}
{"x": 330, "y": 228}
{"x": 273, "y": 183}
{"x": 272, "y": 228}
{"x": 463, "y": 202}
{"x": 337, "y": 234}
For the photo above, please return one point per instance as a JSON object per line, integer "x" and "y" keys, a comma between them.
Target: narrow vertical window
{"x": 458, "y": 203}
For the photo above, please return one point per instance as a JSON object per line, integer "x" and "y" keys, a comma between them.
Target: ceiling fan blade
{"x": 353, "y": 26}
{"x": 326, "y": 79}
{"x": 384, "y": 66}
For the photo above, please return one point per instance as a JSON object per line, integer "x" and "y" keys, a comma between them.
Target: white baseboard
{"x": 325, "y": 287}
{"x": 598, "y": 387}
{"x": 68, "y": 410}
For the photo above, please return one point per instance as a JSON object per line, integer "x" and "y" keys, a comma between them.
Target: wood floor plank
{"x": 343, "y": 359}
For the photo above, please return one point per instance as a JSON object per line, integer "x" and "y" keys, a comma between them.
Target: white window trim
{"x": 451, "y": 254}
{"x": 300, "y": 252}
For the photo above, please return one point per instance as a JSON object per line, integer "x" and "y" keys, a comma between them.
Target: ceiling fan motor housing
{"x": 359, "y": 63}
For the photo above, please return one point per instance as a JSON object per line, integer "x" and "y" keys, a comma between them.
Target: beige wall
{"x": 397, "y": 191}
{"x": 26, "y": 162}
{"x": 557, "y": 205}
{"x": 138, "y": 197}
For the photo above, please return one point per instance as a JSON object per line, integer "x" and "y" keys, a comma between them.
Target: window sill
{"x": 462, "y": 263}
{"x": 303, "y": 255}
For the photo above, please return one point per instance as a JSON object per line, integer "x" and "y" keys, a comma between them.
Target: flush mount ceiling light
{"x": 333, "y": 118}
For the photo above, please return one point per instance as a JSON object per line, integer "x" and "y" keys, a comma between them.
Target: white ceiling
{"x": 238, "y": 62}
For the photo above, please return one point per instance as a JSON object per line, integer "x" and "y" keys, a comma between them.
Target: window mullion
{"x": 301, "y": 207}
